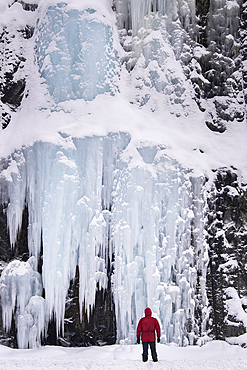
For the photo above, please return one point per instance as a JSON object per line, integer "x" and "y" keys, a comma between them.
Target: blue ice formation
{"x": 75, "y": 54}
{"x": 90, "y": 205}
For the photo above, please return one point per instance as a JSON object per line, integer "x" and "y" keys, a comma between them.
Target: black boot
{"x": 144, "y": 358}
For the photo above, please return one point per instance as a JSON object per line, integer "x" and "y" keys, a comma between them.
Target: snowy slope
{"x": 182, "y": 132}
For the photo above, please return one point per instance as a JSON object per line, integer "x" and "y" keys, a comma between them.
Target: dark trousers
{"x": 145, "y": 351}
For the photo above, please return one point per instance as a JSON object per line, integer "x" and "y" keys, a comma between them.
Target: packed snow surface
{"x": 213, "y": 356}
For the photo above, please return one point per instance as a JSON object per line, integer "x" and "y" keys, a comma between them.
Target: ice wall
{"x": 159, "y": 253}
{"x": 223, "y": 25}
{"x": 135, "y": 14}
{"x": 89, "y": 203}
{"x": 21, "y": 297}
{"x": 75, "y": 53}
{"x": 152, "y": 34}
{"x": 99, "y": 200}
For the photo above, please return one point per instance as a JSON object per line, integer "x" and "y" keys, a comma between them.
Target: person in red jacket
{"x": 146, "y": 329}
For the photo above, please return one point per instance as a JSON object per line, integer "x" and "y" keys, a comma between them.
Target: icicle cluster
{"x": 154, "y": 221}
{"x": 152, "y": 34}
{"x": 135, "y": 14}
{"x": 89, "y": 205}
{"x": 21, "y": 290}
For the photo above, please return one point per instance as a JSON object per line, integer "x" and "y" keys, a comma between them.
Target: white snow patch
{"x": 213, "y": 355}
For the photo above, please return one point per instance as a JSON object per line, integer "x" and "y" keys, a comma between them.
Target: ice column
{"x": 155, "y": 219}
{"x": 139, "y": 12}
{"x": 223, "y": 22}
{"x": 21, "y": 290}
{"x": 75, "y": 53}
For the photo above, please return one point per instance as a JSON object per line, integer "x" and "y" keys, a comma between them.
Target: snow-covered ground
{"x": 213, "y": 355}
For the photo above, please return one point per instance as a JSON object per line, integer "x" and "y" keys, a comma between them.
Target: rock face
{"x": 217, "y": 72}
{"x": 227, "y": 240}
{"x": 213, "y": 57}
{"x": 99, "y": 330}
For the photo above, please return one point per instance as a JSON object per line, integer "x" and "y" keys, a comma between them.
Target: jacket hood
{"x": 148, "y": 312}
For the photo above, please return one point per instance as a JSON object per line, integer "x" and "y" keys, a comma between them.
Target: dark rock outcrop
{"x": 96, "y": 329}
{"x": 227, "y": 241}
{"x": 216, "y": 72}
{"x": 13, "y": 78}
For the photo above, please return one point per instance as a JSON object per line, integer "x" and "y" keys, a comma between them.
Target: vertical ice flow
{"x": 135, "y": 14}
{"x": 21, "y": 290}
{"x": 91, "y": 205}
{"x": 75, "y": 53}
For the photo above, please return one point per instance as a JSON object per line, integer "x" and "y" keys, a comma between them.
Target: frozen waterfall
{"x": 91, "y": 205}
{"x": 97, "y": 200}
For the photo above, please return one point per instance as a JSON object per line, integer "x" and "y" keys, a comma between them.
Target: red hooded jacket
{"x": 147, "y": 326}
